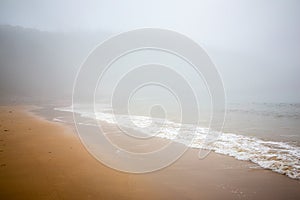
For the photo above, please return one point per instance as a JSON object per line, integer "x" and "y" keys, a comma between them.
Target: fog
{"x": 255, "y": 45}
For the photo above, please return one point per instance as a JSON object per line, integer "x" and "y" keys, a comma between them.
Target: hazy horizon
{"x": 254, "y": 45}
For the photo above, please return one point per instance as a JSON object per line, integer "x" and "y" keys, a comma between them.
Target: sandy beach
{"x": 40, "y": 159}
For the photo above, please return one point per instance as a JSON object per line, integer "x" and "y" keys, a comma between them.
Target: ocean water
{"x": 265, "y": 134}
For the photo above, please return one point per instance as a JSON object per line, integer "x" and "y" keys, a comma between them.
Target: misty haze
{"x": 86, "y": 114}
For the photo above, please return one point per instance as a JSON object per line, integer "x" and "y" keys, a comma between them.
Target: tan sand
{"x": 45, "y": 160}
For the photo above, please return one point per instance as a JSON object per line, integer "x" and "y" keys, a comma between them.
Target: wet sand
{"x": 40, "y": 159}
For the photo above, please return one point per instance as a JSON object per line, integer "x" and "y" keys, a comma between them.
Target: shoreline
{"x": 38, "y": 161}
{"x": 275, "y": 155}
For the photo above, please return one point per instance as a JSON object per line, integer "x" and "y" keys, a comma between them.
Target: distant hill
{"x": 41, "y": 65}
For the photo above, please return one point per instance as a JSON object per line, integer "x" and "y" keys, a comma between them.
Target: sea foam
{"x": 280, "y": 157}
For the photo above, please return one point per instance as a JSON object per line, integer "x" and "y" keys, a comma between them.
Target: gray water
{"x": 264, "y": 133}
{"x": 271, "y": 121}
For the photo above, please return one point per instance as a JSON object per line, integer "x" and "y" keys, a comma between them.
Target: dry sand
{"x": 45, "y": 160}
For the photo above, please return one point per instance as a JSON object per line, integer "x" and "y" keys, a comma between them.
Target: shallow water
{"x": 265, "y": 134}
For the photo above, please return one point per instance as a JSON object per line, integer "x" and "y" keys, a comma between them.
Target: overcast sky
{"x": 255, "y": 44}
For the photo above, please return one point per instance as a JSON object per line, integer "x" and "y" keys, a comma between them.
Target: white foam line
{"x": 279, "y": 157}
